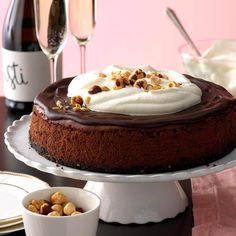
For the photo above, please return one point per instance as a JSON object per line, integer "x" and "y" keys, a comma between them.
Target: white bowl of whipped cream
{"x": 217, "y": 62}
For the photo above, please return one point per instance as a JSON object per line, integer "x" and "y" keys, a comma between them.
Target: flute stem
{"x": 53, "y": 69}
{"x": 82, "y": 58}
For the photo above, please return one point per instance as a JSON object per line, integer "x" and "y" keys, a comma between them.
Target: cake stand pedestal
{"x": 125, "y": 198}
{"x": 139, "y": 202}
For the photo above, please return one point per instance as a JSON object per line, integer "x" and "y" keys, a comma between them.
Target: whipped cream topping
{"x": 217, "y": 64}
{"x": 173, "y": 93}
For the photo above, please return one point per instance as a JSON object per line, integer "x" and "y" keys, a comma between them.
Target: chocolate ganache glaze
{"x": 214, "y": 99}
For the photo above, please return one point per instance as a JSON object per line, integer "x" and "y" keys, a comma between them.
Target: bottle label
{"x": 25, "y": 74}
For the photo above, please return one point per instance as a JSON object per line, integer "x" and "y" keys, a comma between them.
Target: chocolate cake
{"x": 65, "y": 130}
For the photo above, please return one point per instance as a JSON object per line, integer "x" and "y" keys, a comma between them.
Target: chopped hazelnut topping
{"x": 84, "y": 109}
{"x": 155, "y": 79}
{"x": 102, "y": 75}
{"x": 115, "y": 76}
{"x": 153, "y": 87}
{"x": 105, "y": 88}
{"x": 157, "y": 87}
{"x": 149, "y": 87}
{"x": 132, "y": 78}
{"x": 171, "y": 84}
{"x": 87, "y": 100}
{"x": 59, "y": 104}
{"x": 115, "y": 72}
{"x": 174, "y": 84}
{"x": 77, "y": 108}
{"x": 125, "y": 74}
{"x": 162, "y": 76}
{"x": 95, "y": 89}
{"x": 56, "y": 108}
{"x": 140, "y": 83}
{"x": 140, "y": 74}
{"x": 76, "y": 100}
{"x": 126, "y": 81}
{"x": 138, "y": 78}
{"x": 119, "y": 84}
{"x": 78, "y": 104}
{"x": 177, "y": 84}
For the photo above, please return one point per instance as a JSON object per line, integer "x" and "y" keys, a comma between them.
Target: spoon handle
{"x": 172, "y": 15}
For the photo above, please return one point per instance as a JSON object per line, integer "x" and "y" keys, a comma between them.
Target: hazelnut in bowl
{"x": 61, "y": 211}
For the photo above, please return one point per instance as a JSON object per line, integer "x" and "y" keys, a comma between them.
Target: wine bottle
{"x": 26, "y": 69}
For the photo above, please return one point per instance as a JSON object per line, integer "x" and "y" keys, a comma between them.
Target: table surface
{"x": 180, "y": 225}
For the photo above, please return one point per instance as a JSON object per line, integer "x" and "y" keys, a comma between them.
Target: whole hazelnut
{"x": 69, "y": 208}
{"x": 58, "y": 198}
{"x": 53, "y": 213}
{"x": 45, "y": 209}
{"x": 75, "y": 213}
{"x": 58, "y": 208}
{"x": 32, "y": 208}
{"x": 36, "y": 204}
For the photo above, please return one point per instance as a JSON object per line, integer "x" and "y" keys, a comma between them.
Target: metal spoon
{"x": 172, "y": 15}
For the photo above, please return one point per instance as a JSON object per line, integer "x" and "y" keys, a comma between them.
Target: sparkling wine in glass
{"x": 82, "y": 20}
{"x": 51, "y": 29}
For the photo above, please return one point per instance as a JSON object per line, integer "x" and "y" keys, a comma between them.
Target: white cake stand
{"x": 124, "y": 198}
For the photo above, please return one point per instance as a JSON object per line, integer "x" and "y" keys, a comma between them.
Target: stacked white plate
{"x": 13, "y": 187}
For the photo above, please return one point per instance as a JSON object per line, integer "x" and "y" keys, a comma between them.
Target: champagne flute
{"x": 51, "y": 29}
{"x": 82, "y": 20}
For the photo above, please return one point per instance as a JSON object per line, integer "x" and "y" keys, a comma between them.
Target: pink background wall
{"x": 132, "y": 32}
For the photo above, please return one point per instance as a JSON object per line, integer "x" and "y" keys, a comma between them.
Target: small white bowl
{"x": 84, "y": 224}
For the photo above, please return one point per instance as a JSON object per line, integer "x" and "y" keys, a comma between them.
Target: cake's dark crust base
{"x": 148, "y": 170}
{"x": 122, "y": 150}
